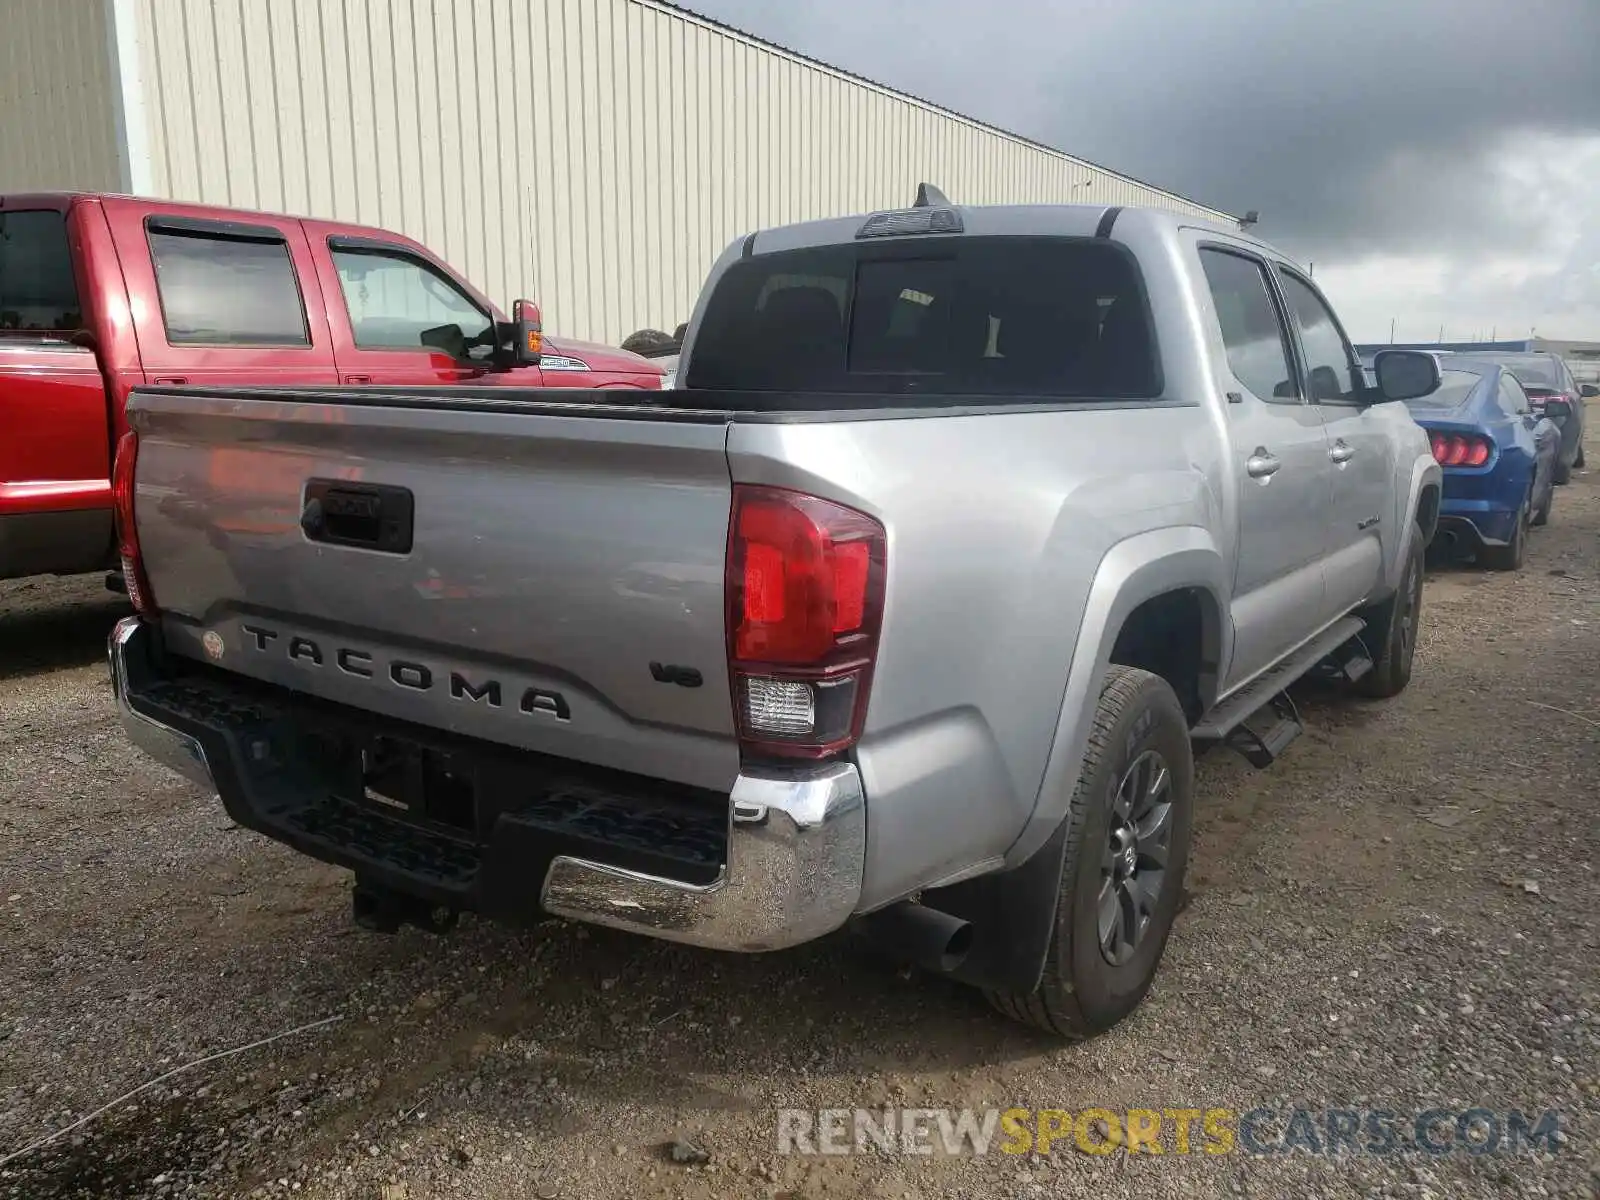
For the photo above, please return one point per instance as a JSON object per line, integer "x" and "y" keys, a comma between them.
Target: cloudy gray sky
{"x": 1439, "y": 160}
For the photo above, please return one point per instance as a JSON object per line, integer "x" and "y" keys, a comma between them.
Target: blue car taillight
{"x": 1460, "y": 449}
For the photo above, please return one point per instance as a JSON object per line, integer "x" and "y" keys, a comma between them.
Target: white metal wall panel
{"x": 595, "y": 155}
{"x": 57, "y": 96}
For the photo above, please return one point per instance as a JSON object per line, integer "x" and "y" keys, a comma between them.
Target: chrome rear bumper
{"x": 166, "y": 745}
{"x": 796, "y": 845}
{"x": 796, "y": 850}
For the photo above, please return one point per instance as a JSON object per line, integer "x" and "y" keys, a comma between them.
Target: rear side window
{"x": 1252, "y": 330}
{"x": 1045, "y": 318}
{"x": 1512, "y": 398}
{"x": 221, "y": 290}
{"x": 37, "y": 290}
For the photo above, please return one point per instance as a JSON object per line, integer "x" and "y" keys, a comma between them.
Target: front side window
{"x": 1018, "y": 317}
{"x": 226, "y": 290}
{"x": 1330, "y": 365}
{"x": 37, "y": 289}
{"x": 398, "y": 303}
{"x": 1252, "y": 331}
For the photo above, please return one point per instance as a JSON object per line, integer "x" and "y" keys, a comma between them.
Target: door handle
{"x": 1262, "y": 464}
{"x": 358, "y": 378}
{"x": 170, "y": 380}
{"x": 1341, "y": 452}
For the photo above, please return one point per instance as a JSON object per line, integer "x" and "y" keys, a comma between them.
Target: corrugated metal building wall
{"x": 595, "y": 155}
{"x": 57, "y": 110}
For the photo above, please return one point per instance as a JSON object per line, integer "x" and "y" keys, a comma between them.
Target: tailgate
{"x": 562, "y": 590}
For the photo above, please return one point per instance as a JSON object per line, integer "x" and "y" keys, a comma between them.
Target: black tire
{"x": 1391, "y": 636}
{"x": 1138, "y": 723}
{"x": 1562, "y": 471}
{"x": 1514, "y": 553}
{"x": 1578, "y": 462}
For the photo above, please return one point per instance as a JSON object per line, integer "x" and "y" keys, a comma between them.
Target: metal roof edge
{"x": 723, "y": 27}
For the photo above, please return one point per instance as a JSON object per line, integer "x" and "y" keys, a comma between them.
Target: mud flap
{"x": 1013, "y": 914}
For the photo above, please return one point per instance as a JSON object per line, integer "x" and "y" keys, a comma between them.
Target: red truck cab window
{"x": 221, "y": 301}
{"x": 410, "y": 321}
{"x": 402, "y": 304}
{"x": 226, "y": 290}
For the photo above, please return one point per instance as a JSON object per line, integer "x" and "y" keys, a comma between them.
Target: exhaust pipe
{"x": 931, "y": 939}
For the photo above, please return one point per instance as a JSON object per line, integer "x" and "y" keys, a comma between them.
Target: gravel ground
{"x": 1401, "y": 914}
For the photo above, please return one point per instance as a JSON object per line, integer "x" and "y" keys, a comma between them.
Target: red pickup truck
{"x": 100, "y": 294}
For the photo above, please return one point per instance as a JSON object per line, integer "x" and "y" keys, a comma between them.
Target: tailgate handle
{"x": 368, "y": 516}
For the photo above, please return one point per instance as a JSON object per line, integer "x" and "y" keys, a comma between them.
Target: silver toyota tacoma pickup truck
{"x": 906, "y": 610}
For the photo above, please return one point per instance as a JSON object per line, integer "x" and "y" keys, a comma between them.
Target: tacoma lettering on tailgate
{"x": 402, "y": 673}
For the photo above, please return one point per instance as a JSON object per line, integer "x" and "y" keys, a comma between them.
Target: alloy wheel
{"x": 1133, "y": 864}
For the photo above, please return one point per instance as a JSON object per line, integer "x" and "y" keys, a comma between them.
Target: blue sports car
{"x": 1499, "y": 460}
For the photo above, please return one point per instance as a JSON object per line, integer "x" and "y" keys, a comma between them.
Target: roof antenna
{"x": 1249, "y": 219}
{"x": 929, "y": 196}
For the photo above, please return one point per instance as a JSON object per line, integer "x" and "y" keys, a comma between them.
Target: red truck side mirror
{"x": 527, "y": 334}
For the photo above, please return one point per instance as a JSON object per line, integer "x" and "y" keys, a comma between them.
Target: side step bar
{"x": 1337, "y": 646}
{"x": 1261, "y": 750}
{"x": 1346, "y": 664}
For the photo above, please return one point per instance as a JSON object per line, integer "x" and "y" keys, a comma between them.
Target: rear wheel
{"x": 1127, "y": 848}
{"x": 1578, "y": 462}
{"x": 1393, "y": 629}
{"x": 1562, "y": 471}
{"x": 1511, "y": 556}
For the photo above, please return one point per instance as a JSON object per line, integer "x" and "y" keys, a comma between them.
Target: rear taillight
{"x": 133, "y": 576}
{"x": 1460, "y": 449}
{"x": 805, "y": 585}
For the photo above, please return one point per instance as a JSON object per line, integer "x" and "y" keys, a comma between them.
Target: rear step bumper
{"x": 776, "y": 863}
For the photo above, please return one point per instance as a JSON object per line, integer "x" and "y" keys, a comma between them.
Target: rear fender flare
{"x": 1134, "y": 570}
{"x": 1425, "y": 473}
{"x": 1013, "y": 911}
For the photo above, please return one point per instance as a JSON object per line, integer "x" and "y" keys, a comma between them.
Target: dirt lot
{"x": 1402, "y": 914}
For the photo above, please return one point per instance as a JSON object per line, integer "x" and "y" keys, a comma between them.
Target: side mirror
{"x": 1405, "y": 374}
{"x": 447, "y": 339}
{"x": 1558, "y": 408}
{"x": 527, "y": 334}
{"x": 1588, "y": 391}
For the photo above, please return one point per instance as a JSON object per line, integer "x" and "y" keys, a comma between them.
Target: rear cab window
{"x": 226, "y": 287}
{"x": 38, "y": 292}
{"x": 1017, "y": 318}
